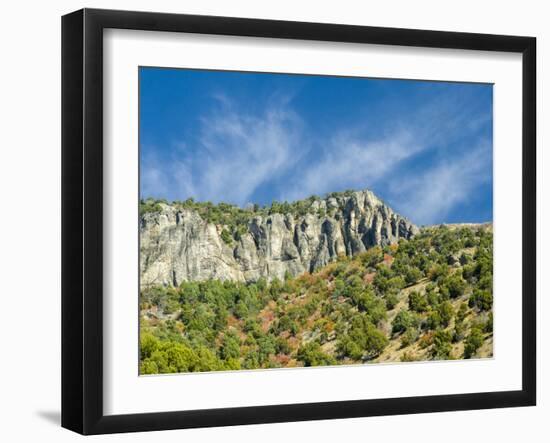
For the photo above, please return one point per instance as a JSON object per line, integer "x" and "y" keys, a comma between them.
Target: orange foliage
{"x": 369, "y": 277}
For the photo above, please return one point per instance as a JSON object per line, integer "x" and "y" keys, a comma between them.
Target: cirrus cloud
{"x": 427, "y": 162}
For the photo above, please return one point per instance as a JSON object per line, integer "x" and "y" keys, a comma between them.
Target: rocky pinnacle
{"x": 179, "y": 245}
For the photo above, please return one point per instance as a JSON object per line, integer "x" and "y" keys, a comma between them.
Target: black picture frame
{"x": 82, "y": 215}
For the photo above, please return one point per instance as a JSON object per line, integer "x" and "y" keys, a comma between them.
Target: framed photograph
{"x": 268, "y": 221}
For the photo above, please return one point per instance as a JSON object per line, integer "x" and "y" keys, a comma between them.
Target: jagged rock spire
{"x": 179, "y": 245}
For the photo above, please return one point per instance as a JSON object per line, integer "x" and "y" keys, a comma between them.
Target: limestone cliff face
{"x": 178, "y": 245}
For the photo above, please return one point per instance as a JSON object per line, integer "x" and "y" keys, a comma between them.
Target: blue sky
{"x": 425, "y": 148}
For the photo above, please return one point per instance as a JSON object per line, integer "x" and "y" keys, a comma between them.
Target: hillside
{"x": 427, "y": 297}
{"x": 191, "y": 241}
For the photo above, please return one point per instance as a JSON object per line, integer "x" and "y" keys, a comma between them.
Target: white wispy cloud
{"x": 425, "y": 191}
{"x": 351, "y": 162}
{"x": 428, "y": 196}
{"x": 236, "y": 153}
{"x": 165, "y": 178}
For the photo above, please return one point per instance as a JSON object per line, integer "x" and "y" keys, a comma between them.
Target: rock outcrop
{"x": 179, "y": 245}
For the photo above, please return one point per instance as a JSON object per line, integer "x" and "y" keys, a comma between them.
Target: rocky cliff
{"x": 178, "y": 244}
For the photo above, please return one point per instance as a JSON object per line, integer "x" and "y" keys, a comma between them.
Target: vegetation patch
{"x": 426, "y": 298}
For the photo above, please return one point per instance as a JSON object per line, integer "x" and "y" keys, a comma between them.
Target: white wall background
{"x": 30, "y": 218}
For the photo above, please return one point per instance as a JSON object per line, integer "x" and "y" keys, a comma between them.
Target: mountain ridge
{"x": 187, "y": 241}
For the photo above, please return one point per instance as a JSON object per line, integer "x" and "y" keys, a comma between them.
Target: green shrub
{"x": 473, "y": 342}
{"x": 442, "y": 345}
{"x": 462, "y": 312}
{"x": 372, "y": 257}
{"x": 409, "y": 337}
{"x": 231, "y": 347}
{"x": 446, "y": 313}
{"x": 432, "y": 298}
{"x": 452, "y": 286}
{"x": 312, "y": 355}
{"x": 391, "y": 300}
{"x": 226, "y": 237}
{"x": 459, "y": 332}
{"x": 349, "y": 348}
{"x": 404, "y": 320}
{"x": 146, "y": 206}
{"x": 373, "y": 305}
{"x": 488, "y": 326}
{"x": 481, "y": 299}
{"x": 434, "y": 320}
{"x": 148, "y": 367}
{"x": 363, "y": 339}
{"x": 375, "y": 341}
{"x": 417, "y": 302}
{"x": 412, "y": 275}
